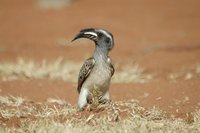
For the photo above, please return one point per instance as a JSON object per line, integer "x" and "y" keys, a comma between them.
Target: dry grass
{"x": 65, "y": 70}
{"x": 130, "y": 74}
{"x": 53, "y": 4}
{"x": 198, "y": 69}
{"x": 58, "y": 69}
{"x": 185, "y": 73}
{"x": 56, "y": 116}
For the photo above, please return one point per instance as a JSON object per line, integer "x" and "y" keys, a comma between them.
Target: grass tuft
{"x": 11, "y": 100}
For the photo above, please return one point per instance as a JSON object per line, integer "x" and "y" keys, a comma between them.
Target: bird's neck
{"x": 100, "y": 54}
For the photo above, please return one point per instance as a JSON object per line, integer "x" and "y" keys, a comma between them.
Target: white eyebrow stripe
{"x": 105, "y": 33}
{"x": 91, "y": 33}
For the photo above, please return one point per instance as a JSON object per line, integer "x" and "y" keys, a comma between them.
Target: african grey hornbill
{"x": 98, "y": 69}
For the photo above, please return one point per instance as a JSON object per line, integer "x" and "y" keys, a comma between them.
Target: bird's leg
{"x": 82, "y": 101}
{"x": 105, "y": 98}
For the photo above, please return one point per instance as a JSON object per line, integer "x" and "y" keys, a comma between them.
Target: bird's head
{"x": 101, "y": 37}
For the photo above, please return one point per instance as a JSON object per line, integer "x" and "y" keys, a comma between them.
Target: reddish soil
{"x": 160, "y": 36}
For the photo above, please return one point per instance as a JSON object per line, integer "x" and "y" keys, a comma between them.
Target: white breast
{"x": 99, "y": 77}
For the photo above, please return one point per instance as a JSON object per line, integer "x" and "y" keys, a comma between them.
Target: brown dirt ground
{"x": 161, "y": 36}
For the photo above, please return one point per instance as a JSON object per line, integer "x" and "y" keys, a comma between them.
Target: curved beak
{"x": 86, "y": 33}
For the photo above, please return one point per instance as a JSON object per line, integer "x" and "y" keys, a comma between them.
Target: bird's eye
{"x": 107, "y": 40}
{"x": 100, "y": 35}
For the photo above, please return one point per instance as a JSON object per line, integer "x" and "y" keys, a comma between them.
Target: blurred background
{"x": 40, "y": 28}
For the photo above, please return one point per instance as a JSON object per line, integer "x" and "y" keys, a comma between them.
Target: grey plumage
{"x": 97, "y": 70}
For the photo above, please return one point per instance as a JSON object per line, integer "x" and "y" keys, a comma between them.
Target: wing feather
{"x": 85, "y": 72}
{"x": 112, "y": 69}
